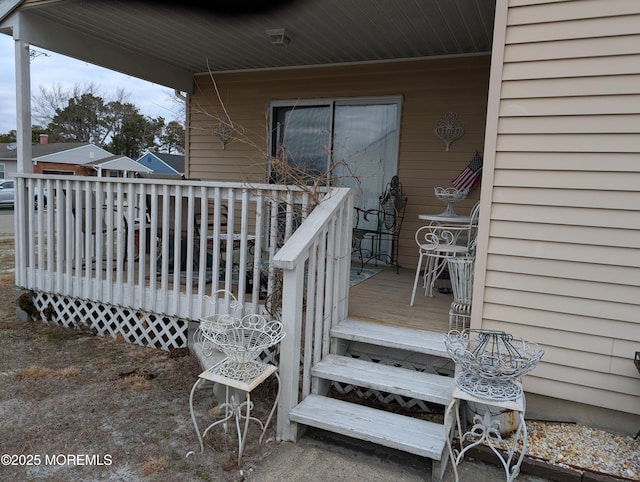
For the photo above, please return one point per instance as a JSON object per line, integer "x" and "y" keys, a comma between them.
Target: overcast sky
{"x": 152, "y": 100}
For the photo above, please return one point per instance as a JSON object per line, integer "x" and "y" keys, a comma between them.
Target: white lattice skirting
{"x": 135, "y": 326}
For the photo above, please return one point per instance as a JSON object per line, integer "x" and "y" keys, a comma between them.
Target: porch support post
{"x": 23, "y": 106}
{"x": 292, "y": 289}
{"x": 24, "y": 156}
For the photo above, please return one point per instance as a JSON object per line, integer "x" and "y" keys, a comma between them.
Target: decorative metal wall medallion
{"x": 449, "y": 129}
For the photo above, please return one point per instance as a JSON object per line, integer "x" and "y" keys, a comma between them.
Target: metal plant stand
{"x": 486, "y": 431}
{"x": 234, "y": 408}
{"x": 242, "y": 340}
{"x": 489, "y": 368}
{"x": 216, "y": 321}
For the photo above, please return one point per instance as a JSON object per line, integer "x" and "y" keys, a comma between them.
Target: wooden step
{"x": 412, "y": 435}
{"x": 385, "y": 378}
{"x": 407, "y": 339}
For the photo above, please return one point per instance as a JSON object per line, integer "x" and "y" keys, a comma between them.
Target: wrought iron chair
{"x": 376, "y": 231}
{"x": 438, "y": 242}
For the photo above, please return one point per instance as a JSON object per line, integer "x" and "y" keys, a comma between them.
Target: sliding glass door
{"x": 365, "y": 149}
{"x": 351, "y": 142}
{"x": 300, "y": 143}
{"x": 345, "y": 142}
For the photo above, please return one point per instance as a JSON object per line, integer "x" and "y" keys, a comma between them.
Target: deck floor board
{"x": 385, "y": 297}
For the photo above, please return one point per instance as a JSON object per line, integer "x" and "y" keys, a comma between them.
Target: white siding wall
{"x": 563, "y": 257}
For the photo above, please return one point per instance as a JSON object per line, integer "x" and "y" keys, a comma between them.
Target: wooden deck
{"x": 384, "y": 298}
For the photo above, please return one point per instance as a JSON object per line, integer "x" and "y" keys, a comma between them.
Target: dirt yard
{"x": 75, "y": 406}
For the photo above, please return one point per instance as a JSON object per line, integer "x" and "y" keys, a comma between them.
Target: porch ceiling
{"x": 182, "y": 41}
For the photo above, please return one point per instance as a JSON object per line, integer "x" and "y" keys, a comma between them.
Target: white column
{"x": 24, "y": 156}
{"x": 23, "y": 106}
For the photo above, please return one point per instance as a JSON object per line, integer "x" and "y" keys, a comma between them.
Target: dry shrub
{"x": 135, "y": 383}
{"x": 34, "y": 372}
{"x": 153, "y": 466}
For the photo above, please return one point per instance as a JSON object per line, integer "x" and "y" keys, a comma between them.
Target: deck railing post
{"x": 292, "y": 289}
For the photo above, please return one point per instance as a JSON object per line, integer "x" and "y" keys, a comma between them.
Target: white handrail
{"x": 315, "y": 264}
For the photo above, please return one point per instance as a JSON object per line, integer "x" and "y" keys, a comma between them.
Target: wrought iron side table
{"x": 220, "y": 373}
{"x": 486, "y": 430}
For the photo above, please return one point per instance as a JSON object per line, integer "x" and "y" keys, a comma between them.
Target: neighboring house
{"x": 75, "y": 160}
{"x": 8, "y": 160}
{"x": 9, "y": 153}
{"x": 548, "y": 91}
{"x": 163, "y": 163}
{"x": 117, "y": 166}
{"x": 84, "y": 159}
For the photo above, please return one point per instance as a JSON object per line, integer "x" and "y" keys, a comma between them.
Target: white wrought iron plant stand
{"x": 489, "y": 367}
{"x": 231, "y": 407}
{"x": 242, "y": 340}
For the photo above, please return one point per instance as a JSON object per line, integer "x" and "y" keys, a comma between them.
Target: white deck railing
{"x": 150, "y": 244}
{"x": 154, "y": 245}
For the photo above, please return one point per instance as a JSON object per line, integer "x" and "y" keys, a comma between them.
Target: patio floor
{"x": 384, "y": 298}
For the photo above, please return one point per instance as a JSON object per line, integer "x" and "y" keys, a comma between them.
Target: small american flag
{"x": 470, "y": 176}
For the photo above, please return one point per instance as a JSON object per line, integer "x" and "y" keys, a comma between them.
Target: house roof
{"x": 8, "y": 151}
{"x": 174, "y": 161}
{"x": 77, "y": 153}
{"x": 118, "y": 163}
{"x": 179, "y": 41}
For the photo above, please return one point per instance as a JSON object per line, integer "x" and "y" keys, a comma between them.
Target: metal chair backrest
{"x": 381, "y": 227}
{"x": 443, "y": 240}
{"x": 393, "y": 203}
{"x": 473, "y": 228}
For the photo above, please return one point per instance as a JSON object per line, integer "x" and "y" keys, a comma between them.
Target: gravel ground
{"x": 579, "y": 447}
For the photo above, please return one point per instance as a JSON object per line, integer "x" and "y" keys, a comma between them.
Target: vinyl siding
{"x": 429, "y": 89}
{"x": 562, "y": 243}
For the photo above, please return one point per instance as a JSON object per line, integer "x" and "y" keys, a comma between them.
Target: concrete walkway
{"x": 323, "y": 457}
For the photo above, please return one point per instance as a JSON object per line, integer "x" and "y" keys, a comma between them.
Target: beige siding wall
{"x": 563, "y": 258}
{"x": 430, "y": 89}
